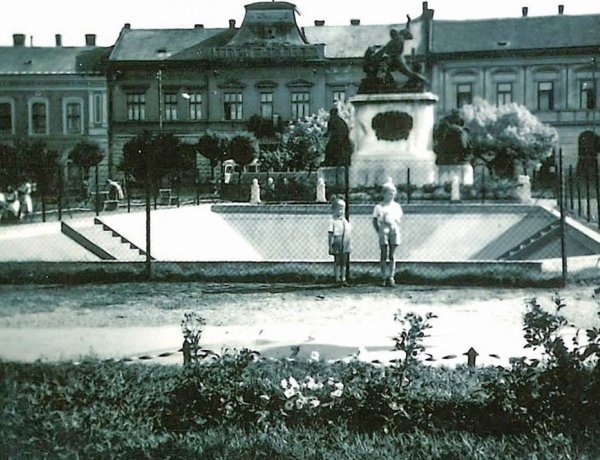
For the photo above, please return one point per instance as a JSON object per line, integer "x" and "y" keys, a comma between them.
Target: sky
{"x": 40, "y": 20}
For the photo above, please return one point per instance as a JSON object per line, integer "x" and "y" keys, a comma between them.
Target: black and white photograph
{"x": 300, "y": 229}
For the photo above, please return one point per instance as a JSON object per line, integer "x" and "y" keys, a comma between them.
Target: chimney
{"x": 232, "y": 23}
{"x": 355, "y": 22}
{"x": 90, "y": 39}
{"x": 524, "y": 10}
{"x": 561, "y": 9}
{"x": 127, "y": 26}
{"x": 19, "y": 39}
{"x": 319, "y": 22}
{"x": 198, "y": 26}
{"x": 58, "y": 38}
{"x": 425, "y": 6}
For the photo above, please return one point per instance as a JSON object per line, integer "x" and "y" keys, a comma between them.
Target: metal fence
{"x": 281, "y": 221}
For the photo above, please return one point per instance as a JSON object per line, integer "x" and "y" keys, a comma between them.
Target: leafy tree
{"x": 274, "y": 160}
{"x": 86, "y": 154}
{"x": 244, "y": 149}
{"x": 9, "y": 164}
{"x": 306, "y": 141}
{"x": 263, "y": 127}
{"x": 39, "y": 164}
{"x": 501, "y": 136}
{"x": 213, "y": 147}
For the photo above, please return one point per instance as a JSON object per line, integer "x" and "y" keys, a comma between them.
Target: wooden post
{"x": 563, "y": 227}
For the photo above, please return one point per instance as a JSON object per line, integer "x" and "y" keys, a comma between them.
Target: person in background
{"x": 386, "y": 220}
{"x": 26, "y": 204}
{"x": 339, "y": 237}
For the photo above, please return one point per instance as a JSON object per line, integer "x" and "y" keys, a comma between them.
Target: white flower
{"x": 339, "y": 385}
{"x": 311, "y": 384}
{"x": 293, "y": 383}
{"x": 284, "y": 383}
{"x": 336, "y": 394}
{"x": 289, "y": 393}
{"x": 314, "y": 356}
{"x": 265, "y": 397}
{"x": 289, "y": 405}
{"x": 314, "y": 402}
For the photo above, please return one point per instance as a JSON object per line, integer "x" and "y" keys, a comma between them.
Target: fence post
{"x": 60, "y": 193}
{"x": 578, "y": 188}
{"x": 128, "y": 191}
{"x": 588, "y": 208}
{"x": 97, "y": 191}
{"x": 571, "y": 203}
{"x": 148, "y": 223}
{"x": 347, "y": 193}
{"x": 482, "y": 185}
{"x": 408, "y": 191}
{"x": 597, "y": 177}
{"x": 563, "y": 228}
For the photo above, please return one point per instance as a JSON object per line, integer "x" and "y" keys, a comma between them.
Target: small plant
{"x": 410, "y": 339}
{"x": 191, "y": 327}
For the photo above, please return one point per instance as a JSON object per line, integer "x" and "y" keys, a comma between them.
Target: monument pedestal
{"x": 392, "y": 133}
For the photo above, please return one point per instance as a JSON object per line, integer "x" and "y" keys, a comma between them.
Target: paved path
{"x": 335, "y": 323}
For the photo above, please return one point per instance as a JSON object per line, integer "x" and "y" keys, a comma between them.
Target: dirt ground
{"x": 160, "y": 304}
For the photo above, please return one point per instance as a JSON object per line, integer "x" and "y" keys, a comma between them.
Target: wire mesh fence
{"x": 284, "y": 220}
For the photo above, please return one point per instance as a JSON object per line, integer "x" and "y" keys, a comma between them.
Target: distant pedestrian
{"x": 340, "y": 232}
{"x": 386, "y": 220}
{"x": 26, "y": 204}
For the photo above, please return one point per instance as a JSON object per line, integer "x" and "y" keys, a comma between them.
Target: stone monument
{"x": 255, "y": 192}
{"x": 321, "y": 198}
{"x": 393, "y": 124}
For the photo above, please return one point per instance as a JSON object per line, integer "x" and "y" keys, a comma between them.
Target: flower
{"x": 289, "y": 405}
{"x": 289, "y": 393}
{"x": 293, "y": 383}
{"x": 284, "y": 383}
{"x": 314, "y": 402}
{"x": 314, "y": 356}
{"x": 337, "y": 393}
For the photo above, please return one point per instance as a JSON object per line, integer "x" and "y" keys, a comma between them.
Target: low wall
{"x": 480, "y": 273}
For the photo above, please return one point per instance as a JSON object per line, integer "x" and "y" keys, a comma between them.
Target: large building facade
{"x": 189, "y": 81}
{"x": 54, "y": 94}
{"x": 549, "y": 64}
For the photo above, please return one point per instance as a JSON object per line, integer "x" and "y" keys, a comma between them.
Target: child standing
{"x": 386, "y": 220}
{"x": 339, "y": 240}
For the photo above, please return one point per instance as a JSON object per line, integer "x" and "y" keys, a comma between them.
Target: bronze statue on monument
{"x": 381, "y": 61}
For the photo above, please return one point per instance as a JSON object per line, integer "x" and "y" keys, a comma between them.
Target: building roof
{"x": 26, "y": 60}
{"x": 518, "y": 34}
{"x": 349, "y": 41}
{"x": 161, "y": 44}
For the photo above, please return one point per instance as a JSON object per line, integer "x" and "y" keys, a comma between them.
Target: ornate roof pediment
{"x": 232, "y": 84}
{"x": 266, "y": 84}
{"x": 299, "y": 83}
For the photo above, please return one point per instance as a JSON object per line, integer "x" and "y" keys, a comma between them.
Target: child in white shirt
{"x": 386, "y": 220}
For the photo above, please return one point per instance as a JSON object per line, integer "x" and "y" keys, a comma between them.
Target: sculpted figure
{"x": 338, "y": 148}
{"x": 380, "y": 62}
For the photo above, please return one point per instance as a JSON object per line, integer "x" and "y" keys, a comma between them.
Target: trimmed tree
{"x": 40, "y": 164}
{"x": 244, "y": 149}
{"x": 306, "y": 141}
{"x": 213, "y": 147}
{"x": 86, "y": 154}
{"x": 507, "y": 135}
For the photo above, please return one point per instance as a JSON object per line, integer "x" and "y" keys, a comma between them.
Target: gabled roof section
{"x": 161, "y": 44}
{"x": 516, "y": 34}
{"x": 24, "y": 60}
{"x": 269, "y": 23}
{"x": 352, "y": 41}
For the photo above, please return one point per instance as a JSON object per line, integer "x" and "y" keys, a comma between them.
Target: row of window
{"x": 39, "y": 115}
{"x": 232, "y": 105}
{"x": 545, "y": 94}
